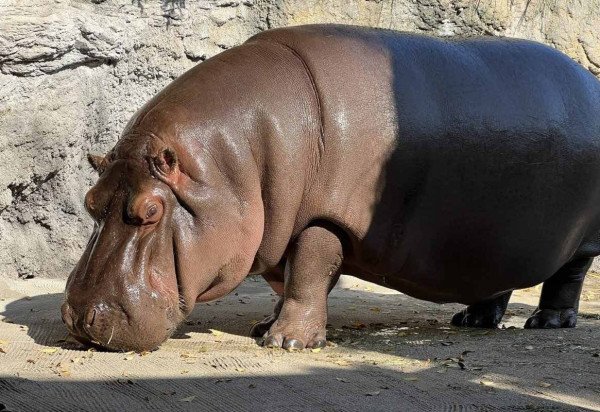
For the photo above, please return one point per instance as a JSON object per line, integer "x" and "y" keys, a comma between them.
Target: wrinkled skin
{"x": 451, "y": 170}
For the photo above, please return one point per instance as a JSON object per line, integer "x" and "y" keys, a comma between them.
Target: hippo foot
{"x": 552, "y": 319}
{"x": 290, "y": 339}
{"x": 473, "y": 319}
{"x": 485, "y": 314}
{"x": 296, "y": 332}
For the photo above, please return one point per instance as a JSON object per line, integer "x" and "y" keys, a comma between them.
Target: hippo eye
{"x": 151, "y": 211}
{"x": 145, "y": 211}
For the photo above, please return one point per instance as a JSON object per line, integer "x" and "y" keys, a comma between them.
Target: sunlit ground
{"x": 387, "y": 352}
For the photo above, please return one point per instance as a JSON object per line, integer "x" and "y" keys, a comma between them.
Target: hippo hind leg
{"x": 559, "y": 301}
{"x": 486, "y": 314}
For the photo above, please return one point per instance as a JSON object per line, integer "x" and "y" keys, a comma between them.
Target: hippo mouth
{"x": 115, "y": 328}
{"x": 183, "y": 305}
{"x": 136, "y": 315}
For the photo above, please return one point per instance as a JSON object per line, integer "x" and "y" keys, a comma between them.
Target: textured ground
{"x": 389, "y": 352}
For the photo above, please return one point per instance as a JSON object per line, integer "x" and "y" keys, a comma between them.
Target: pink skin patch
{"x": 277, "y": 286}
{"x": 161, "y": 289}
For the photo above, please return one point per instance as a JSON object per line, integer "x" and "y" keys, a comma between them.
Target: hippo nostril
{"x": 90, "y": 317}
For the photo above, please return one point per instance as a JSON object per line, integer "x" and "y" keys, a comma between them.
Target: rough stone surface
{"x": 72, "y": 72}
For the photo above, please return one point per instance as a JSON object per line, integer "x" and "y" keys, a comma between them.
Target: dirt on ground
{"x": 387, "y": 352}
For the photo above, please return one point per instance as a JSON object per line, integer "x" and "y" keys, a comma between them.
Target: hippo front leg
{"x": 486, "y": 314}
{"x": 311, "y": 271}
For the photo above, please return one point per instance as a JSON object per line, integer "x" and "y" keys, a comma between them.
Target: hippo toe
{"x": 552, "y": 319}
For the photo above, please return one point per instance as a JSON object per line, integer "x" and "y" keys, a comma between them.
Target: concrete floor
{"x": 388, "y": 352}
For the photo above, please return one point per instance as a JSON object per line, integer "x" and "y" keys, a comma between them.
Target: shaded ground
{"x": 389, "y": 352}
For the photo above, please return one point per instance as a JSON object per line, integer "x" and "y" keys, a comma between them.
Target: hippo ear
{"x": 166, "y": 166}
{"x": 98, "y": 163}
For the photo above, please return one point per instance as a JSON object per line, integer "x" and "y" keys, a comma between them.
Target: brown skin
{"x": 208, "y": 187}
{"x": 311, "y": 151}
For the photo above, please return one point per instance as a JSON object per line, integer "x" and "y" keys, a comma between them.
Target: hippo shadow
{"x": 40, "y": 317}
{"x": 349, "y": 309}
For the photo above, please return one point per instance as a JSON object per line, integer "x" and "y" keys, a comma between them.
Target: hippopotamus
{"x": 449, "y": 169}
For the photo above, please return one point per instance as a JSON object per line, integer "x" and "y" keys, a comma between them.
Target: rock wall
{"x": 72, "y": 72}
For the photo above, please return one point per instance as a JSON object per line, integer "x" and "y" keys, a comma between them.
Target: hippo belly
{"x": 493, "y": 216}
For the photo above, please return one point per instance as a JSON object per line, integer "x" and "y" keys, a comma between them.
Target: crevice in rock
{"x": 20, "y": 191}
{"x": 195, "y": 59}
{"x": 595, "y": 68}
{"x": 40, "y": 221}
{"x": 171, "y": 8}
{"x": 91, "y": 63}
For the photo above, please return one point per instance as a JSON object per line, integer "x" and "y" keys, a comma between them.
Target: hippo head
{"x": 162, "y": 240}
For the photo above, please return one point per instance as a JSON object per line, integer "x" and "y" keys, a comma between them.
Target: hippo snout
{"x": 92, "y": 324}
{"x": 111, "y": 327}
